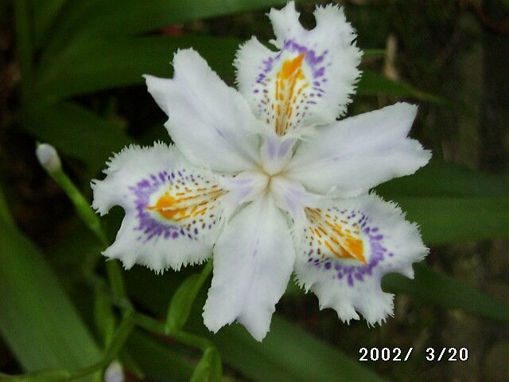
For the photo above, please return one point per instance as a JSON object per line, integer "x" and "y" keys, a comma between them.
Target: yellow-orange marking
{"x": 341, "y": 241}
{"x": 177, "y": 207}
{"x": 290, "y": 82}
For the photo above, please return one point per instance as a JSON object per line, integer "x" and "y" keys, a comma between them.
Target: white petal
{"x": 348, "y": 246}
{"x": 286, "y": 24}
{"x": 242, "y": 188}
{"x": 275, "y": 152}
{"x": 355, "y": 154}
{"x": 172, "y": 211}
{"x": 208, "y": 121}
{"x": 253, "y": 261}
{"x": 311, "y": 77}
{"x": 292, "y": 197}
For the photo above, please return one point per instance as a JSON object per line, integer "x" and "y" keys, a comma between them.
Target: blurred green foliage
{"x": 68, "y": 52}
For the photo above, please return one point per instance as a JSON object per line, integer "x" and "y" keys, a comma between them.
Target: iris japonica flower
{"x": 268, "y": 180}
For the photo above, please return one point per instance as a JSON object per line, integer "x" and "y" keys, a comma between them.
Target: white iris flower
{"x": 267, "y": 179}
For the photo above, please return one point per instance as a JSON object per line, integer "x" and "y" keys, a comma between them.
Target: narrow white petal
{"x": 242, "y": 188}
{"x": 346, "y": 248}
{"x": 275, "y": 152}
{"x": 172, "y": 210}
{"x": 355, "y": 154}
{"x": 309, "y": 79}
{"x": 292, "y": 197}
{"x": 160, "y": 89}
{"x": 253, "y": 261}
{"x": 208, "y": 121}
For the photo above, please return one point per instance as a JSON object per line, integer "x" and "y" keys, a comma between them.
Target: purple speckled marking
{"x": 312, "y": 59}
{"x": 267, "y": 66}
{"x": 354, "y": 273}
{"x": 148, "y": 226}
{"x": 315, "y": 61}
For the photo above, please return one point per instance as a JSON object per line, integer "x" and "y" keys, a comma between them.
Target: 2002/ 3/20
{"x": 386, "y": 354}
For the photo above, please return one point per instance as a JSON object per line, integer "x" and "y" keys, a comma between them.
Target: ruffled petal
{"x": 253, "y": 261}
{"x": 206, "y": 117}
{"x": 311, "y": 77}
{"x": 172, "y": 210}
{"x": 353, "y": 155}
{"x": 346, "y": 248}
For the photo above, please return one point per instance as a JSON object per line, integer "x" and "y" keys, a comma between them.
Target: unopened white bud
{"x": 114, "y": 372}
{"x": 48, "y": 157}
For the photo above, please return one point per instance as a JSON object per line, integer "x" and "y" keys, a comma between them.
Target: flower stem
{"x": 88, "y": 216}
{"x": 121, "y": 335}
{"x": 154, "y": 326}
{"x": 81, "y": 205}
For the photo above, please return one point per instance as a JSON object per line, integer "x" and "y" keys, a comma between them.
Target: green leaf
{"x": 440, "y": 178}
{"x": 44, "y": 14}
{"x": 158, "y": 361}
{"x": 113, "y": 18}
{"x": 179, "y": 309}
{"x": 182, "y": 301}
{"x": 437, "y": 288}
{"x": 94, "y": 65}
{"x": 130, "y": 364}
{"x": 75, "y": 131}
{"x": 372, "y": 83}
{"x": 287, "y": 354}
{"x": 104, "y": 317}
{"x": 38, "y": 321}
{"x": 209, "y": 368}
{"x": 452, "y": 203}
{"x": 449, "y": 219}
{"x": 102, "y": 64}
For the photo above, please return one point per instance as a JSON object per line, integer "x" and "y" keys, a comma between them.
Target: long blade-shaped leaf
{"x": 94, "y": 65}
{"x": 372, "y": 83}
{"x": 437, "y": 288}
{"x": 448, "y": 220}
{"x": 287, "y": 354}
{"x": 44, "y": 14}
{"x": 128, "y": 17}
{"x": 75, "y": 131}
{"x": 37, "y": 320}
{"x": 453, "y": 203}
{"x": 440, "y": 178}
{"x": 157, "y": 360}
